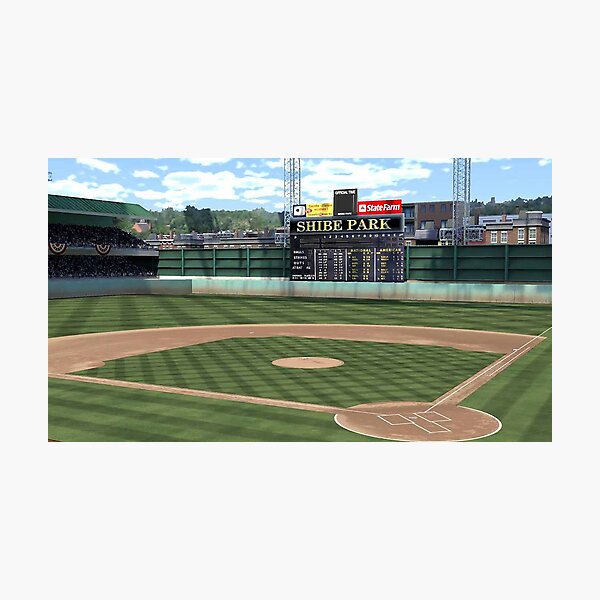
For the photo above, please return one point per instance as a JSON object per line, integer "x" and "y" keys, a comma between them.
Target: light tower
{"x": 292, "y": 192}
{"x": 461, "y": 199}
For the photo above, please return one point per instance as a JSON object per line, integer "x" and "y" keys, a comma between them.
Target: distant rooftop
{"x": 98, "y": 208}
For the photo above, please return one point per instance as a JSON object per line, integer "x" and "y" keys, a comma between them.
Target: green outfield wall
{"x": 115, "y": 286}
{"x": 501, "y": 263}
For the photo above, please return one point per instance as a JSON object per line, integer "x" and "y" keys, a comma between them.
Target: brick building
{"x": 423, "y": 221}
{"x": 529, "y": 227}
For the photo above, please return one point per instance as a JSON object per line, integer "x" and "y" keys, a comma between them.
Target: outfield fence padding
{"x": 115, "y": 286}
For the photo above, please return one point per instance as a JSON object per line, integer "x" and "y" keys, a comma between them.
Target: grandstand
{"x": 84, "y": 239}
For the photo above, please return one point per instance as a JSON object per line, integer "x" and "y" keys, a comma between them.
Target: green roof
{"x": 104, "y": 208}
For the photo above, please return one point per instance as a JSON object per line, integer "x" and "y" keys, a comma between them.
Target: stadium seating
{"x": 76, "y": 266}
{"x": 81, "y": 236}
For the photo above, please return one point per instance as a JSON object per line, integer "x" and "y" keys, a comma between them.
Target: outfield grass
{"x": 111, "y": 313}
{"x": 519, "y": 396}
{"x": 372, "y": 371}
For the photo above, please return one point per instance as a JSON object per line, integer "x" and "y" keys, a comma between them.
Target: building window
{"x": 494, "y": 237}
{"x": 409, "y": 228}
{"x": 521, "y": 235}
{"x": 532, "y": 235}
{"x": 432, "y": 208}
{"x": 504, "y": 237}
{"x": 409, "y": 213}
{"x": 444, "y": 223}
{"x": 422, "y": 224}
{"x": 443, "y": 208}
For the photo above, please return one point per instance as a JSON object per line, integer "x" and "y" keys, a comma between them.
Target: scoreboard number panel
{"x": 348, "y": 249}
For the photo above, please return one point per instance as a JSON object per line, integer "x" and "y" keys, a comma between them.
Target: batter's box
{"x": 433, "y": 416}
{"x": 417, "y": 420}
{"x": 395, "y": 419}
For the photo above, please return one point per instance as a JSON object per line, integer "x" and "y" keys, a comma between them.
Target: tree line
{"x": 511, "y": 207}
{"x": 203, "y": 220}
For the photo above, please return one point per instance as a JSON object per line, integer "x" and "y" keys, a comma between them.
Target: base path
{"x": 440, "y": 420}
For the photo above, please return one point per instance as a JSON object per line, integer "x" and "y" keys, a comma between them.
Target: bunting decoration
{"x": 57, "y": 247}
{"x": 103, "y": 249}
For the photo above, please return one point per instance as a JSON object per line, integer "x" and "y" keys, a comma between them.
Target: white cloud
{"x": 163, "y": 167}
{"x": 187, "y": 187}
{"x": 505, "y": 167}
{"x": 320, "y": 178}
{"x": 145, "y": 174}
{"x": 255, "y": 173}
{"x": 484, "y": 160}
{"x": 206, "y": 162}
{"x": 101, "y": 165}
{"x": 239, "y": 164}
{"x": 446, "y": 169}
{"x": 89, "y": 189}
{"x": 149, "y": 194}
{"x": 386, "y": 194}
{"x": 190, "y": 187}
{"x": 433, "y": 161}
{"x": 544, "y": 161}
{"x": 273, "y": 164}
{"x": 262, "y": 192}
{"x": 279, "y": 205}
{"x": 258, "y": 201}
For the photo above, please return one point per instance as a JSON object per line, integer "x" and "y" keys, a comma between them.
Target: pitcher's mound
{"x": 307, "y": 362}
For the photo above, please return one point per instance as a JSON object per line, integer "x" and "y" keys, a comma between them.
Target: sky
{"x": 247, "y": 183}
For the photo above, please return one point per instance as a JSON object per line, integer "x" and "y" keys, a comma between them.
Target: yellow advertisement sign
{"x": 321, "y": 209}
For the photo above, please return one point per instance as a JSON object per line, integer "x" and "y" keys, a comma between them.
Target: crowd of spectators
{"x": 76, "y": 266}
{"x": 89, "y": 235}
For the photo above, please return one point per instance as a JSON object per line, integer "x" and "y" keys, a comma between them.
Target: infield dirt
{"x": 389, "y": 420}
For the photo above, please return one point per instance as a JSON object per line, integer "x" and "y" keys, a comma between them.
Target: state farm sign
{"x": 379, "y": 207}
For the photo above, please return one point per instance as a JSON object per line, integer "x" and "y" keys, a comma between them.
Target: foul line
{"x": 496, "y": 365}
{"x": 324, "y": 408}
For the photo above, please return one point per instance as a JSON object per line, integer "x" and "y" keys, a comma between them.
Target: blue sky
{"x": 235, "y": 183}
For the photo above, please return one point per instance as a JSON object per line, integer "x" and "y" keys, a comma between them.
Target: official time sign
{"x": 379, "y": 207}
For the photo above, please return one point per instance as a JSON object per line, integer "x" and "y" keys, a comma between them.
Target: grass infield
{"x": 372, "y": 371}
{"x": 520, "y": 396}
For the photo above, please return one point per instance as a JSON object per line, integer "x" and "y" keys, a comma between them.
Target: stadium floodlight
{"x": 461, "y": 199}
{"x": 292, "y": 191}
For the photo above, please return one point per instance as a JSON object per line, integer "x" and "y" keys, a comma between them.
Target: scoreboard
{"x": 347, "y": 249}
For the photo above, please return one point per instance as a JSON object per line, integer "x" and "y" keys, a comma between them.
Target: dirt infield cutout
{"x": 440, "y": 420}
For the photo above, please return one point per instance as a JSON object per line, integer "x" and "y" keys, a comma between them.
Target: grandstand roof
{"x": 101, "y": 208}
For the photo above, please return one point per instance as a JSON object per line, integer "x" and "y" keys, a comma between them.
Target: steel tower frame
{"x": 292, "y": 190}
{"x": 461, "y": 199}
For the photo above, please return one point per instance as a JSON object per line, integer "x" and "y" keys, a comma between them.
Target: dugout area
{"x": 374, "y": 371}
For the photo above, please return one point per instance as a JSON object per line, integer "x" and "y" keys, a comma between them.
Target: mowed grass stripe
{"x": 373, "y": 371}
{"x": 86, "y": 412}
{"x": 526, "y": 413}
{"x": 520, "y": 397}
{"x": 71, "y": 316}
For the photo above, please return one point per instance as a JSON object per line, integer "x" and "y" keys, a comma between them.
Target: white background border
{"x": 296, "y": 520}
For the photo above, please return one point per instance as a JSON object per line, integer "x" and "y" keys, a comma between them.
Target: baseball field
{"x": 235, "y": 368}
